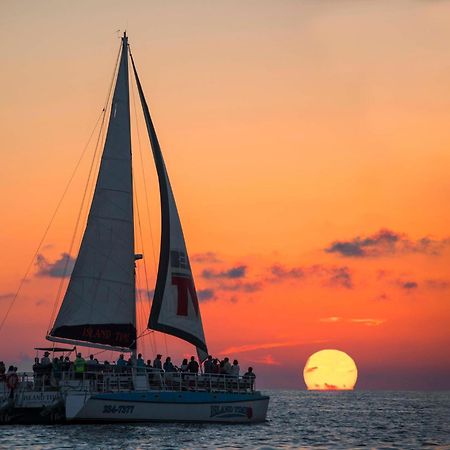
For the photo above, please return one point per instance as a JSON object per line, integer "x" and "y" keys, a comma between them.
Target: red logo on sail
{"x": 185, "y": 285}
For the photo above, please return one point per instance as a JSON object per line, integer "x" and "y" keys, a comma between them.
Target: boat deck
{"x": 126, "y": 380}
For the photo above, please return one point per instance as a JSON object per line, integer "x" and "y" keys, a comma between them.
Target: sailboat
{"x": 99, "y": 306}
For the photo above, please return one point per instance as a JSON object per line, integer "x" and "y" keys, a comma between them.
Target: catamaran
{"x": 99, "y": 307}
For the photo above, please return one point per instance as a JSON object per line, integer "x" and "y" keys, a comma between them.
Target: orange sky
{"x": 288, "y": 128}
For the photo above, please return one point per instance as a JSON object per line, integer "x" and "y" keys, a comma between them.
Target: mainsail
{"x": 175, "y": 309}
{"x": 99, "y": 307}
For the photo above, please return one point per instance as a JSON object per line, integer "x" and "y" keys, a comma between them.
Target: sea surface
{"x": 296, "y": 419}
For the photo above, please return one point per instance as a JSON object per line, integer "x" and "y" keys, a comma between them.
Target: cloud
{"x": 331, "y": 275}
{"x": 242, "y": 287}
{"x": 409, "y": 285}
{"x": 331, "y": 387}
{"x": 232, "y": 273}
{"x": 252, "y": 347}
{"x": 437, "y": 284}
{"x": 145, "y": 295}
{"x": 40, "y": 302}
{"x": 205, "y": 258}
{"x": 311, "y": 369}
{"x": 385, "y": 243}
{"x": 367, "y": 322}
{"x": 281, "y": 273}
{"x": 205, "y": 294}
{"x": 267, "y": 360}
{"x": 340, "y": 276}
{"x": 62, "y": 267}
{"x": 6, "y": 296}
{"x": 332, "y": 319}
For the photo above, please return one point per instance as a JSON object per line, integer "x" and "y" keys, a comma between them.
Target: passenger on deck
{"x": 149, "y": 364}
{"x": 157, "y": 362}
{"x": 56, "y": 370}
{"x": 121, "y": 362}
{"x": 37, "y": 371}
{"x": 193, "y": 365}
{"x": 2, "y": 371}
{"x": 215, "y": 368}
{"x": 168, "y": 366}
{"x": 226, "y": 366}
{"x": 66, "y": 364}
{"x": 250, "y": 376}
{"x": 235, "y": 368}
{"x": 140, "y": 364}
{"x": 80, "y": 366}
{"x": 91, "y": 363}
{"x": 207, "y": 365}
{"x": 184, "y": 365}
{"x": 45, "y": 360}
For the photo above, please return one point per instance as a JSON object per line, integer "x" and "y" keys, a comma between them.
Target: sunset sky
{"x": 308, "y": 145}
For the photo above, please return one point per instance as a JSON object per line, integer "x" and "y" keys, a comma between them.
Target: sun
{"x": 330, "y": 370}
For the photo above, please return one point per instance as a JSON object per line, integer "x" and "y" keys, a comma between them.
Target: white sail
{"x": 99, "y": 306}
{"x": 175, "y": 309}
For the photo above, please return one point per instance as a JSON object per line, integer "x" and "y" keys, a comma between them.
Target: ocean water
{"x": 296, "y": 419}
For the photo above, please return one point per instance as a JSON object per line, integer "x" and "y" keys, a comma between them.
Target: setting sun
{"x": 330, "y": 370}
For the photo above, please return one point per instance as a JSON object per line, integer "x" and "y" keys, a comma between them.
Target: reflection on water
{"x": 296, "y": 419}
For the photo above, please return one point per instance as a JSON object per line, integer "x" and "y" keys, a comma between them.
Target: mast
{"x": 175, "y": 309}
{"x": 99, "y": 307}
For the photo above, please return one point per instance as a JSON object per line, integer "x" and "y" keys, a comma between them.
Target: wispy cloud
{"x": 205, "y": 258}
{"x": 60, "y": 268}
{"x": 261, "y": 346}
{"x": 268, "y": 360}
{"x": 332, "y": 319}
{"x": 205, "y": 294}
{"x": 282, "y": 273}
{"x": 385, "y": 243}
{"x": 40, "y": 302}
{"x": 6, "y": 296}
{"x": 145, "y": 295}
{"x": 330, "y": 275}
{"x": 367, "y": 322}
{"x": 437, "y": 284}
{"x": 242, "y": 287}
{"x": 232, "y": 273}
{"x": 409, "y": 285}
{"x": 311, "y": 369}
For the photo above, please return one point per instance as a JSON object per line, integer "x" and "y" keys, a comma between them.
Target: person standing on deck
{"x": 157, "y": 362}
{"x": 226, "y": 366}
{"x": 208, "y": 364}
{"x": 235, "y": 369}
{"x": 193, "y": 365}
{"x": 140, "y": 364}
{"x": 79, "y": 366}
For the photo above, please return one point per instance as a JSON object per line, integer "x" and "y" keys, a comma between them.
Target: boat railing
{"x": 125, "y": 379}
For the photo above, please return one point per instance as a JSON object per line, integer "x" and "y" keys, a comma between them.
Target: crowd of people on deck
{"x": 46, "y": 369}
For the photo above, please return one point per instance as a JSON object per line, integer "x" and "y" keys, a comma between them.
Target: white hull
{"x": 158, "y": 406}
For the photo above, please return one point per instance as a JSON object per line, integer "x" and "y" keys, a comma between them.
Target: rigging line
{"x": 66, "y": 263}
{"x": 147, "y": 203}
{"x": 153, "y": 339}
{"x": 143, "y": 174}
{"x": 105, "y": 108}
{"x": 142, "y": 240}
{"x": 22, "y": 281}
{"x": 139, "y": 314}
